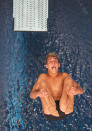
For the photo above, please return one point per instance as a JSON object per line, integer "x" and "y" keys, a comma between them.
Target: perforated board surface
{"x": 30, "y": 15}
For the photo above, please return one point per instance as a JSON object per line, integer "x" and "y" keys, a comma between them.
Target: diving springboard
{"x": 30, "y": 15}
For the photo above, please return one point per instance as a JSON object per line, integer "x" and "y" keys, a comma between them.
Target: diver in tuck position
{"x": 56, "y": 90}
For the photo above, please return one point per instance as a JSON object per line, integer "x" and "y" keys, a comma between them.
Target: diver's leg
{"x": 48, "y": 103}
{"x": 66, "y": 101}
{"x": 63, "y": 101}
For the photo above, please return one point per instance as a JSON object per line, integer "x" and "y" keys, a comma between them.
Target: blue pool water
{"x": 22, "y": 59}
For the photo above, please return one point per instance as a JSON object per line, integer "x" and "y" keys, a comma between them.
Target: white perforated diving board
{"x": 30, "y": 15}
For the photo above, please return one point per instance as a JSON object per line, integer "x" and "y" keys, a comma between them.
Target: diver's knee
{"x": 43, "y": 83}
{"x": 62, "y": 107}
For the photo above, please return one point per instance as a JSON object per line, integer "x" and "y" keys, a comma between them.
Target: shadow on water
{"x": 68, "y": 35}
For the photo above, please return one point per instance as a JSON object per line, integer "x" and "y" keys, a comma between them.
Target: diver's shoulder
{"x": 64, "y": 74}
{"x": 42, "y": 75}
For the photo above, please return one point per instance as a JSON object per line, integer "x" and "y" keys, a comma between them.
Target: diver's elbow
{"x": 82, "y": 91}
{"x": 32, "y": 96}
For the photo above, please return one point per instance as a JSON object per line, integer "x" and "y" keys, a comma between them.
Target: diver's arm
{"x": 76, "y": 89}
{"x": 35, "y": 91}
{"x": 73, "y": 87}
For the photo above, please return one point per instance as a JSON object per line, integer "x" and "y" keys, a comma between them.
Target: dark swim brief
{"x": 61, "y": 116}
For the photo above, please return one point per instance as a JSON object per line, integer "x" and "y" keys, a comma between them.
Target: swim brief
{"x": 61, "y": 116}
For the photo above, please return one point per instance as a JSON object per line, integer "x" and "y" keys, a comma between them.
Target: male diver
{"x": 56, "y": 90}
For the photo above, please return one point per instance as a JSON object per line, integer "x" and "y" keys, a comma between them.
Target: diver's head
{"x": 52, "y": 63}
{"x": 52, "y": 54}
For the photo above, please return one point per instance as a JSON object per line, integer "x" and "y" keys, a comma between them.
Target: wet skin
{"x": 55, "y": 86}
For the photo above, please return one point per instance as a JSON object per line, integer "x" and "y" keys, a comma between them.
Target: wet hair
{"x": 52, "y": 54}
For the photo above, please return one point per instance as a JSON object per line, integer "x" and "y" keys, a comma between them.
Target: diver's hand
{"x": 73, "y": 91}
{"x": 42, "y": 93}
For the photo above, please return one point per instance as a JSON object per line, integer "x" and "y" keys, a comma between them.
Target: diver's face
{"x": 52, "y": 64}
